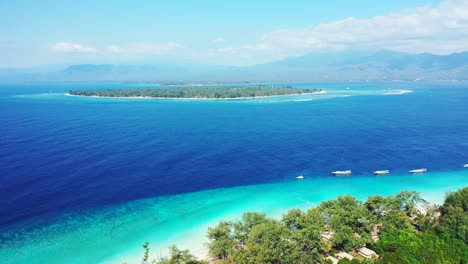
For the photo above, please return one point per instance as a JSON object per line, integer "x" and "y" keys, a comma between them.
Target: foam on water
{"x": 115, "y": 234}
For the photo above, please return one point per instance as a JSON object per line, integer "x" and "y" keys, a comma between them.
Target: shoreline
{"x": 194, "y": 98}
{"x": 196, "y": 241}
{"x": 115, "y": 234}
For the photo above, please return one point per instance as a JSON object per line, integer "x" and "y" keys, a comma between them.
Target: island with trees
{"x": 395, "y": 229}
{"x": 197, "y": 92}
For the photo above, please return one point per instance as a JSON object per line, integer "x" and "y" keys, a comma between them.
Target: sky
{"x": 44, "y": 33}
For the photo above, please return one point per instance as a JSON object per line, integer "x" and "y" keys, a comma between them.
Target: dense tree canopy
{"x": 455, "y": 215}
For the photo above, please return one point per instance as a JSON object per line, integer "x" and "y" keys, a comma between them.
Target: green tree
{"x": 293, "y": 218}
{"x": 454, "y": 220}
{"x": 307, "y": 244}
{"x": 344, "y": 239}
{"x": 221, "y": 240}
{"x": 407, "y": 200}
{"x": 400, "y": 246}
{"x": 270, "y": 243}
{"x": 249, "y": 220}
{"x": 397, "y": 220}
{"x": 146, "y": 253}
{"x": 378, "y": 205}
{"x": 178, "y": 256}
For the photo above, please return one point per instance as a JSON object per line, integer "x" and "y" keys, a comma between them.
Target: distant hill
{"x": 337, "y": 66}
{"x": 140, "y": 73}
{"x": 382, "y": 65}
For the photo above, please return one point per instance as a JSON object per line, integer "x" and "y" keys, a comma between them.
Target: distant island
{"x": 197, "y": 93}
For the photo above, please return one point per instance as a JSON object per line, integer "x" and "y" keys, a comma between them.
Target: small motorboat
{"x": 465, "y": 166}
{"x": 381, "y": 172}
{"x": 300, "y": 177}
{"x": 345, "y": 172}
{"x": 422, "y": 170}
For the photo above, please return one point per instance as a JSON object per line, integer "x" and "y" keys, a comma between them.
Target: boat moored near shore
{"x": 465, "y": 166}
{"x": 422, "y": 170}
{"x": 381, "y": 172}
{"x": 300, "y": 177}
{"x": 345, "y": 172}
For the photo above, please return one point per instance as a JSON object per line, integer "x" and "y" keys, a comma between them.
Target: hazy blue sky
{"x": 222, "y": 32}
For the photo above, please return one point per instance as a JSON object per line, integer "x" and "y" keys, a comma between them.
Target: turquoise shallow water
{"x": 88, "y": 180}
{"x": 114, "y": 235}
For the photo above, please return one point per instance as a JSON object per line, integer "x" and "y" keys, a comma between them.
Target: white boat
{"x": 381, "y": 172}
{"x": 465, "y": 166}
{"x": 300, "y": 177}
{"x": 422, "y": 170}
{"x": 346, "y": 172}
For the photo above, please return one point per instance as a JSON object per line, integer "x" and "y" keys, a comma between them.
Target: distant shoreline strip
{"x": 193, "y": 98}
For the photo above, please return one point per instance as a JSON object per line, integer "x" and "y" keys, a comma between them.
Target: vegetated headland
{"x": 197, "y": 92}
{"x": 396, "y": 229}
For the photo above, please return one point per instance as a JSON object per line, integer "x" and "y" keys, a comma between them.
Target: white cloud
{"x": 441, "y": 29}
{"x": 219, "y": 40}
{"x": 139, "y": 48}
{"x": 262, "y": 47}
{"x": 145, "y": 48}
{"x": 156, "y": 48}
{"x": 115, "y": 49}
{"x": 72, "y": 47}
{"x": 437, "y": 29}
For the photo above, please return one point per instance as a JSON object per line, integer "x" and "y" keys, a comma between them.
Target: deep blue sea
{"x": 63, "y": 155}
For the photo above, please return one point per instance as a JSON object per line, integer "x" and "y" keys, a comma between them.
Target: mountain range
{"x": 337, "y": 66}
